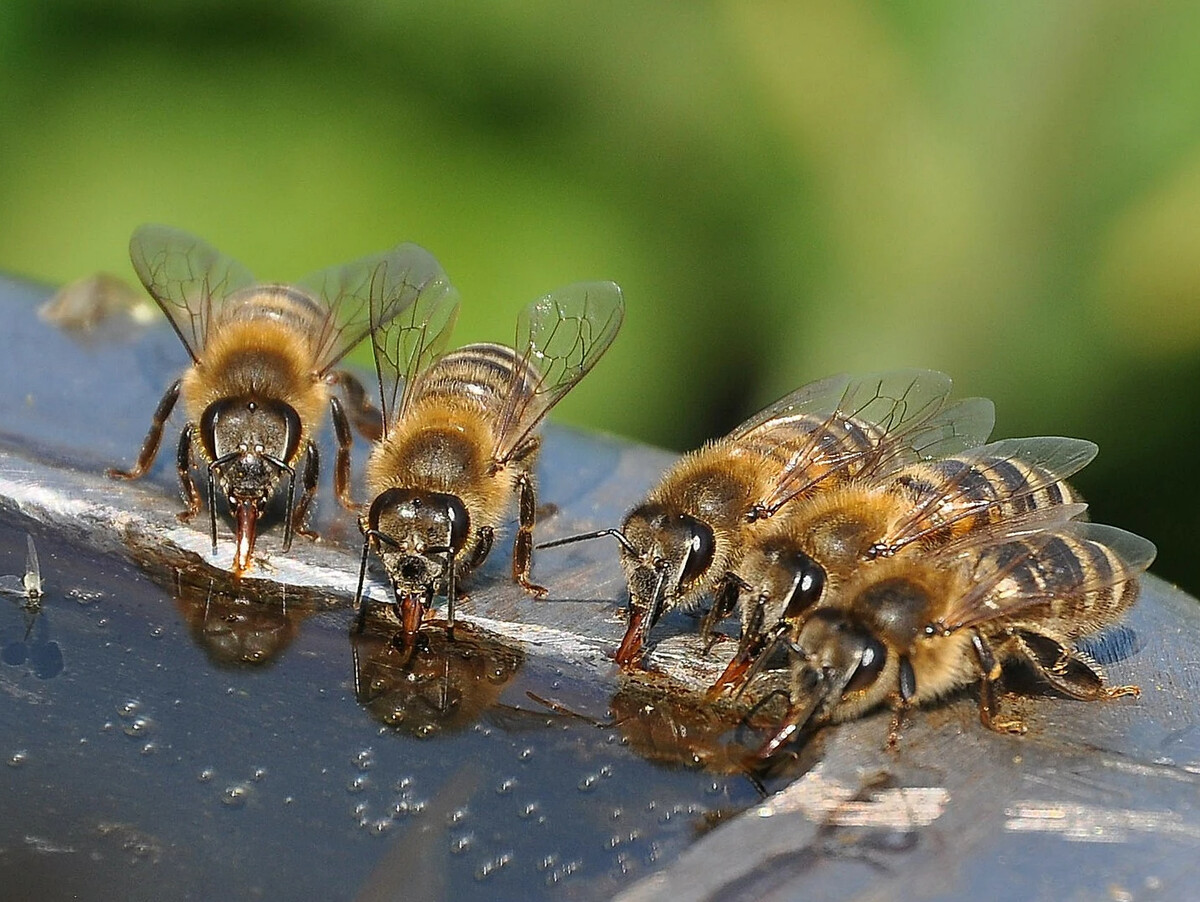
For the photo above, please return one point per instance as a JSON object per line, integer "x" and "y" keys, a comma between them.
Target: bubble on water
{"x": 402, "y": 784}
{"x": 260, "y": 774}
{"x": 157, "y": 632}
{"x": 360, "y": 810}
{"x": 559, "y": 874}
{"x": 526, "y": 753}
{"x": 358, "y": 784}
{"x": 129, "y": 707}
{"x": 488, "y": 868}
{"x": 528, "y": 810}
{"x": 546, "y": 862}
{"x": 506, "y": 786}
{"x": 588, "y": 783}
{"x": 458, "y": 815}
{"x": 364, "y": 759}
{"x": 206, "y": 775}
{"x": 379, "y": 826}
{"x": 149, "y": 748}
{"x": 18, "y": 758}
{"x": 615, "y": 814}
{"x": 235, "y": 795}
{"x": 138, "y": 727}
{"x": 461, "y": 843}
{"x": 606, "y": 771}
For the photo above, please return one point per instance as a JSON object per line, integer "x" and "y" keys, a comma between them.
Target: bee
{"x": 461, "y": 437}
{"x": 911, "y": 629}
{"x": 883, "y": 512}
{"x": 262, "y": 373}
{"x": 687, "y": 537}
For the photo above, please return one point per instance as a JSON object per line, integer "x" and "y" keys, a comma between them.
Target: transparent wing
{"x": 559, "y": 337}
{"x": 815, "y": 401}
{"x": 365, "y": 295}
{"x": 990, "y": 477}
{"x": 411, "y": 313}
{"x": 1023, "y": 571}
{"x": 879, "y": 417}
{"x": 187, "y": 277}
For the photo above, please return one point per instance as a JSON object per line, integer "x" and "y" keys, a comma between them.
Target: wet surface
{"x": 167, "y": 735}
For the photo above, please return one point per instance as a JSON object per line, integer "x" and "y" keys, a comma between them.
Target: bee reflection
{"x": 442, "y": 682}
{"x": 235, "y": 630}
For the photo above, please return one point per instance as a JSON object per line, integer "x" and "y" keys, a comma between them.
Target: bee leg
{"x": 523, "y": 545}
{"x": 989, "y": 672}
{"x": 907, "y": 691}
{"x": 484, "y": 537}
{"x": 1069, "y": 671}
{"x": 341, "y": 466}
{"x": 365, "y": 415}
{"x": 312, "y": 468}
{"x": 187, "y": 485}
{"x": 724, "y": 601}
{"x": 153, "y": 437}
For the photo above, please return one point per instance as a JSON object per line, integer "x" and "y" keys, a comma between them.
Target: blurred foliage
{"x": 1009, "y": 192}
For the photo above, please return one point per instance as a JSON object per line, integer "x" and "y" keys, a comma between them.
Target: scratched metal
{"x": 167, "y": 739}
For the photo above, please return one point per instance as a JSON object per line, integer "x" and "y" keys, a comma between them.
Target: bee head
{"x": 837, "y": 661}
{"x": 421, "y": 533}
{"x": 666, "y": 556}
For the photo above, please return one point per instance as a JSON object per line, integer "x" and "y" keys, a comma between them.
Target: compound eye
{"x": 699, "y": 550}
{"x": 870, "y": 665}
{"x": 460, "y": 522}
{"x": 807, "y": 587}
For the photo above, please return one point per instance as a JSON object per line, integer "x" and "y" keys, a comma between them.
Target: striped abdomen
{"x": 1085, "y": 584}
{"x": 808, "y": 447}
{"x": 955, "y": 495}
{"x": 488, "y": 375}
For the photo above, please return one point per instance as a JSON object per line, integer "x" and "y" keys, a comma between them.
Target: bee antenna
{"x": 584, "y": 536}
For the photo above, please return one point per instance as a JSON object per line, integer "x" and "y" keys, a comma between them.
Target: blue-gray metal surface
{"x": 166, "y": 738}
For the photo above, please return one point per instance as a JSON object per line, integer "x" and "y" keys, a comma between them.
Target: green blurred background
{"x": 1009, "y": 192}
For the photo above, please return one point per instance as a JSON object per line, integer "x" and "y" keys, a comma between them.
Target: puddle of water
{"x": 157, "y": 753}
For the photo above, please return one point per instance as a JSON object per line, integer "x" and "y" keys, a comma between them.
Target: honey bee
{"x": 461, "y": 437}
{"x": 262, "y": 372}
{"x": 687, "y": 537}
{"x": 911, "y": 629}
{"x": 819, "y": 542}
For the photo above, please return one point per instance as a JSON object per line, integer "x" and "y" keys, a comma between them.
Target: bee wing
{"x": 959, "y": 427}
{"x": 411, "y": 312}
{"x": 188, "y": 278}
{"x": 1010, "y": 574}
{"x": 559, "y": 337}
{"x": 366, "y": 295}
{"x": 1017, "y": 467}
{"x": 878, "y": 417}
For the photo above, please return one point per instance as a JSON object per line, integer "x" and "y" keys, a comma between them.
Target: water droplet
{"x": 138, "y": 727}
{"x": 260, "y": 774}
{"x": 235, "y": 795}
{"x": 506, "y": 786}
{"x": 157, "y": 632}
{"x": 149, "y": 748}
{"x": 380, "y": 826}
{"x": 206, "y": 775}
{"x": 458, "y": 815}
{"x": 364, "y": 759}
{"x": 129, "y": 707}
{"x": 526, "y": 753}
{"x": 606, "y": 771}
{"x": 360, "y": 810}
{"x": 588, "y": 783}
{"x": 547, "y": 862}
{"x": 358, "y": 784}
{"x": 460, "y": 844}
{"x": 18, "y": 758}
{"x": 402, "y": 784}
{"x": 528, "y": 811}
